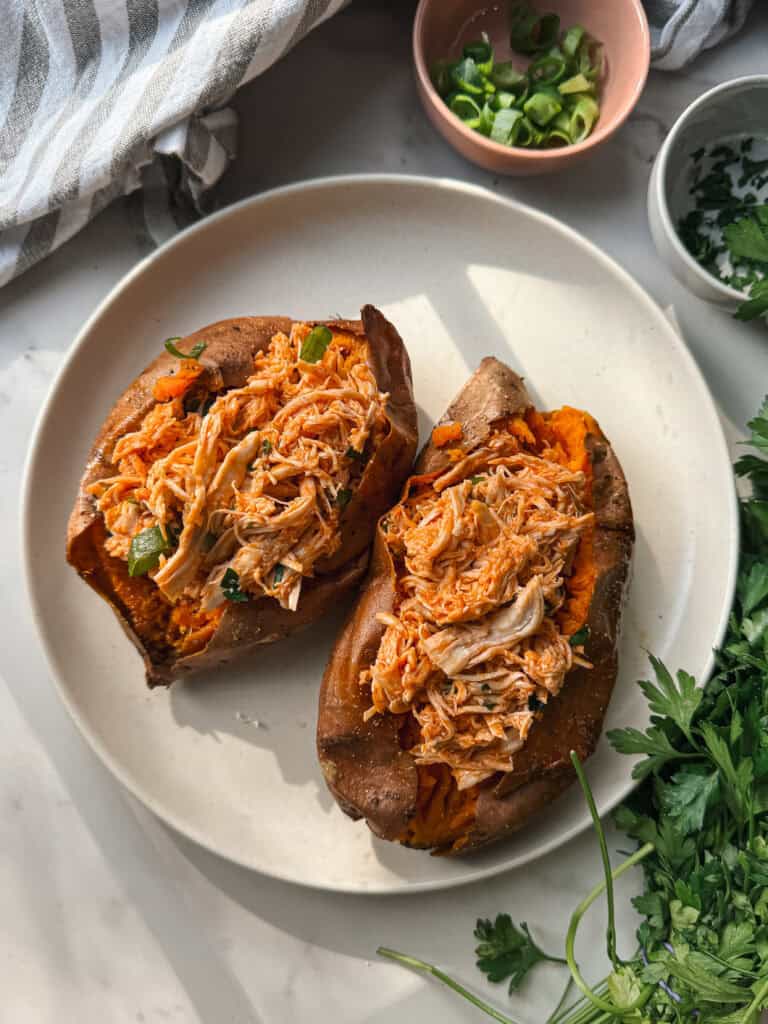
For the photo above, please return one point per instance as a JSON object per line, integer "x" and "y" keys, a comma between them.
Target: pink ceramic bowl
{"x": 442, "y": 27}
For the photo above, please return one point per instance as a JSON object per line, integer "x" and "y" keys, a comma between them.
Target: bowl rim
{"x": 530, "y": 155}
{"x": 732, "y": 85}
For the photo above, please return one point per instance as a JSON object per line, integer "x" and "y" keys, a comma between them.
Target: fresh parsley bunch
{"x": 700, "y": 818}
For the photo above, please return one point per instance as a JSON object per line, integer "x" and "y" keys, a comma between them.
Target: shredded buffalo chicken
{"x": 485, "y": 552}
{"x": 255, "y": 483}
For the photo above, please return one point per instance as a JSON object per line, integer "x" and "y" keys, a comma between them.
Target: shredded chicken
{"x": 255, "y": 484}
{"x": 473, "y": 647}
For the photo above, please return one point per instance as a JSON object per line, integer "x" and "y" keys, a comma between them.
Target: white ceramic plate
{"x": 462, "y": 274}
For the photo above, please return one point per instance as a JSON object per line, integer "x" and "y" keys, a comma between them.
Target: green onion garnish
{"x": 194, "y": 353}
{"x": 314, "y": 345}
{"x": 343, "y": 497}
{"x": 542, "y": 108}
{"x": 552, "y": 103}
{"x": 468, "y": 78}
{"x": 506, "y": 126}
{"x": 146, "y": 549}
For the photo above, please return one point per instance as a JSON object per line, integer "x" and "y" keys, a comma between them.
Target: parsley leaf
{"x": 757, "y": 303}
{"x": 654, "y": 742}
{"x": 230, "y": 585}
{"x": 580, "y": 637}
{"x": 678, "y": 702}
{"x": 747, "y": 240}
{"x": 505, "y": 951}
{"x": 686, "y": 797}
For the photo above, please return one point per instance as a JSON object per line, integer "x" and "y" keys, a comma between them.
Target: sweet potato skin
{"x": 363, "y": 763}
{"x": 231, "y": 346}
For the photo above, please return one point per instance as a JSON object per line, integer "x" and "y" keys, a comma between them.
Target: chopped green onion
{"x": 572, "y": 40}
{"x": 505, "y": 126}
{"x": 487, "y": 116}
{"x": 481, "y": 53}
{"x": 583, "y": 117}
{"x": 343, "y": 497}
{"x": 278, "y": 574}
{"x": 467, "y": 78}
{"x": 506, "y": 76}
{"x": 526, "y": 133}
{"x": 503, "y": 100}
{"x": 230, "y": 585}
{"x": 314, "y": 345}
{"x": 531, "y": 33}
{"x": 575, "y": 84}
{"x": 548, "y": 70}
{"x": 559, "y": 132}
{"x": 146, "y": 549}
{"x": 552, "y": 103}
{"x": 266, "y": 446}
{"x": 542, "y": 107}
{"x": 465, "y": 108}
{"x": 440, "y": 74}
{"x": 194, "y": 353}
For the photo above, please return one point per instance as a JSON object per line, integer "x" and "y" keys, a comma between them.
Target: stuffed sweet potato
{"x": 483, "y": 648}
{"x": 232, "y": 492}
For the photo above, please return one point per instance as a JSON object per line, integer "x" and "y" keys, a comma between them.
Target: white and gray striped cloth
{"x": 94, "y": 92}
{"x": 681, "y": 29}
{"x": 91, "y": 91}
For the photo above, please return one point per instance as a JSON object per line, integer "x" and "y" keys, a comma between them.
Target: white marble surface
{"x": 104, "y": 914}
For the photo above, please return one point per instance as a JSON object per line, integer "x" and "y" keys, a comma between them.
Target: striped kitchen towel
{"x": 92, "y": 91}
{"x": 681, "y": 29}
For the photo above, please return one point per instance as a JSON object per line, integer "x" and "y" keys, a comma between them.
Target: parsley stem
{"x": 421, "y": 965}
{"x": 587, "y": 790}
{"x": 570, "y": 940}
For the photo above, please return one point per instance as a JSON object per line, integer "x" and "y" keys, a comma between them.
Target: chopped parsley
{"x": 343, "y": 497}
{"x": 146, "y": 549}
{"x": 727, "y": 231}
{"x": 230, "y": 585}
{"x": 580, "y": 637}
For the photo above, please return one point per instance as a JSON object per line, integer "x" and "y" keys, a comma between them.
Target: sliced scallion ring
{"x": 481, "y": 52}
{"x": 548, "y": 70}
{"x": 465, "y": 107}
{"x": 575, "y": 84}
{"x": 505, "y": 126}
{"x": 583, "y": 116}
{"x": 467, "y": 78}
{"x": 542, "y": 108}
{"x": 531, "y": 32}
{"x": 572, "y": 40}
{"x": 506, "y": 76}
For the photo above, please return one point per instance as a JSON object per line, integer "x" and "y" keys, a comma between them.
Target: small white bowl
{"x": 735, "y": 107}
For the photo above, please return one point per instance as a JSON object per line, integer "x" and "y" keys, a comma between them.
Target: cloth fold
{"x": 681, "y": 29}
{"x": 93, "y": 91}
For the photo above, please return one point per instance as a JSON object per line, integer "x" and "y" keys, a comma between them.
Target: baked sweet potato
{"x": 483, "y": 648}
{"x": 232, "y": 492}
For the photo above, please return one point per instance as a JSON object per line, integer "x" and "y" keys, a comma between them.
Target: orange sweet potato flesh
{"x": 367, "y": 765}
{"x": 227, "y": 362}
